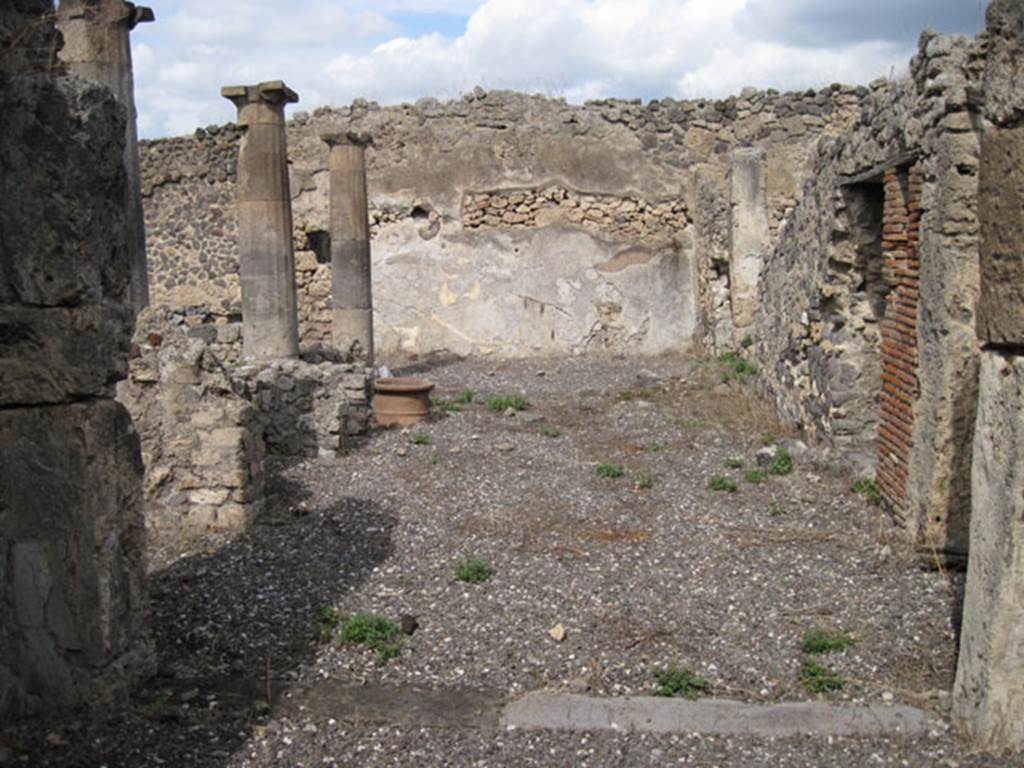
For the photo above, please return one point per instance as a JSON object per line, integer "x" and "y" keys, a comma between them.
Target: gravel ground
{"x": 641, "y": 571}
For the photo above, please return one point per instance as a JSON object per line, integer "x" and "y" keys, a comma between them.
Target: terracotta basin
{"x": 400, "y": 401}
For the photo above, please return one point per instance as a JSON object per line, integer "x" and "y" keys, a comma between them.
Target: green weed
{"x": 443, "y": 404}
{"x": 549, "y": 431}
{"x": 755, "y": 476}
{"x": 733, "y": 462}
{"x": 645, "y": 480}
{"x": 819, "y": 679}
{"x": 375, "y": 632}
{"x": 821, "y": 640}
{"x": 473, "y": 570}
{"x": 465, "y": 397}
{"x": 501, "y": 403}
{"x": 868, "y": 488}
{"x": 718, "y": 483}
{"x": 782, "y": 464}
{"x": 673, "y": 681}
{"x": 775, "y": 509}
{"x": 736, "y": 367}
{"x": 420, "y": 438}
{"x": 606, "y": 469}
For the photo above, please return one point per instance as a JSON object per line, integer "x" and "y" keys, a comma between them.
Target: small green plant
{"x": 645, "y": 481}
{"x": 733, "y": 462}
{"x": 501, "y": 403}
{"x": 443, "y": 404}
{"x": 755, "y": 476}
{"x": 465, "y": 397}
{"x": 606, "y": 469}
{"x": 822, "y": 640}
{"x": 673, "y": 681}
{"x": 435, "y": 459}
{"x": 549, "y": 431}
{"x": 719, "y": 483}
{"x": 868, "y": 488}
{"x": 655, "y": 445}
{"x": 747, "y": 342}
{"x": 736, "y": 366}
{"x": 782, "y": 463}
{"x": 376, "y": 632}
{"x": 473, "y": 570}
{"x": 819, "y": 679}
{"x": 775, "y": 509}
{"x": 330, "y": 619}
{"x": 420, "y": 438}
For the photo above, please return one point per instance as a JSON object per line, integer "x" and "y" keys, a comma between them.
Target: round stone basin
{"x": 400, "y": 401}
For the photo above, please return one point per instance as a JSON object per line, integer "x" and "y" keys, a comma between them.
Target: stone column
{"x": 97, "y": 48}
{"x": 267, "y": 268}
{"x": 748, "y": 234}
{"x": 351, "y": 290}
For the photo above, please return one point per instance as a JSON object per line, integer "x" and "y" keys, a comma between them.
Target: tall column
{"x": 267, "y": 268}
{"x": 351, "y": 290}
{"x": 97, "y": 48}
{"x": 748, "y": 234}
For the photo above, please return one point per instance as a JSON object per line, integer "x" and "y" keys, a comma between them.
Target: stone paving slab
{"x": 558, "y": 711}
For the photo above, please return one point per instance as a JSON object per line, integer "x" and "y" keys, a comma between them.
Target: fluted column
{"x": 351, "y": 289}
{"x": 267, "y": 257}
{"x": 97, "y": 48}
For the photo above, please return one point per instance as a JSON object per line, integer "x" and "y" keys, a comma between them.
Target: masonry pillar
{"x": 749, "y": 234}
{"x": 97, "y": 48}
{"x": 351, "y": 289}
{"x": 267, "y": 268}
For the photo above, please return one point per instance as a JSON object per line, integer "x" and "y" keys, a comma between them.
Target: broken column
{"x": 748, "y": 234}
{"x": 267, "y": 256}
{"x": 351, "y": 289}
{"x": 97, "y": 48}
{"x": 989, "y": 691}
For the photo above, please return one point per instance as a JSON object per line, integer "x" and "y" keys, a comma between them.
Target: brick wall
{"x": 900, "y": 236}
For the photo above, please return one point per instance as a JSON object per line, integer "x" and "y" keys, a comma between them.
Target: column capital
{"x": 105, "y": 12}
{"x": 272, "y": 92}
{"x": 348, "y": 138}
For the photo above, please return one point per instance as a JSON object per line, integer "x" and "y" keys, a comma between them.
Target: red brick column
{"x": 900, "y": 236}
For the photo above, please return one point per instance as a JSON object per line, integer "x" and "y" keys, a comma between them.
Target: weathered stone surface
{"x": 1004, "y": 77}
{"x": 72, "y": 593}
{"x": 202, "y": 444}
{"x": 62, "y": 184}
{"x": 71, "y": 543}
{"x": 1001, "y": 195}
{"x": 748, "y": 233}
{"x": 59, "y": 354}
{"x": 989, "y": 692}
{"x": 96, "y": 47}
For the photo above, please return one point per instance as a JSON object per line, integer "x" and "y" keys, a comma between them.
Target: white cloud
{"x": 337, "y": 50}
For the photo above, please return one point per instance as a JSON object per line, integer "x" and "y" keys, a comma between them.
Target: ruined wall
{"x": 504, "y": 222}
{"x": 207, "y": 421}
{"x": 842, "y": 278}
{"x": 72, "y": 591}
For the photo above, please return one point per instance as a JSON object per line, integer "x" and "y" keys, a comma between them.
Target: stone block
{"x": 77, "y": 247}
{"x": 72, "y": 540}
{"x": 1001, "y": 203}
{"x": 989, "y": 691}
{"x": 55, "y": 355}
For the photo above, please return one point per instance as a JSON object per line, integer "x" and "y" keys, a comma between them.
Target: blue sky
{"x": 332, "y": 51}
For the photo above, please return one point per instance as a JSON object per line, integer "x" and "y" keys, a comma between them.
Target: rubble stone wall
{"x": 503, "y": 222}
{"x": 72, "y": 575}
{"x": 207, "y": 421}
{"x": 825, "y": 292}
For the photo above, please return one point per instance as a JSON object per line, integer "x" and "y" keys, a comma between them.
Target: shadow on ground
{"x": 233, "y": 625}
